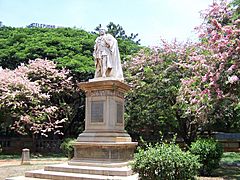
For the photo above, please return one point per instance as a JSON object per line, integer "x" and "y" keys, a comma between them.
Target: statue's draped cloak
{"x": 111, "y": 51}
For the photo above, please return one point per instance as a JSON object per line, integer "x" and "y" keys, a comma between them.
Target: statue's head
{"x": 102, "y": 32}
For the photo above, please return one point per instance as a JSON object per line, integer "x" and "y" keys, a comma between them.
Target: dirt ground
{"x": 11, "y": 168}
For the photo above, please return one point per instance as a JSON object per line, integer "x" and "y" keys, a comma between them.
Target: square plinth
{"x": 104, "y": 105}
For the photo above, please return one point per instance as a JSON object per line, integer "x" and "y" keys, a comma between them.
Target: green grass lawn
{"x": 230, "y": 157}
{"x": 33, "y": 156}
{"x": 228, "y": 168}
{"x": 12, "y": 156}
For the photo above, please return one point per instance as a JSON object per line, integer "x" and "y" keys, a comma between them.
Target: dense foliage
{"x": 165, "y": 161}
{"x": 209, "y": 152}
{"x": 37, "y": 98}
{"x": 155, "y": 80}
{"x": 156, "y": 75}
{"x": 211, "y": 95}
{"x": 70, "y": 48}
{"x": 189, "y": 87}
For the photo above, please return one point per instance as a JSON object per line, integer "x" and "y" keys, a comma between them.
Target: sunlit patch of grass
{"x": 12, "y": 156}
{"x": 230, "y": 157}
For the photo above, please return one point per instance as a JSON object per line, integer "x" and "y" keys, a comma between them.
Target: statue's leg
{"x": 104, "y": 66}
{"x": 98, "y": 70}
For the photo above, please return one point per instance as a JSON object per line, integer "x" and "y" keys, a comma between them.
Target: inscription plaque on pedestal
{"x": 119, "y": 113}
{"x": 97, "y": 111}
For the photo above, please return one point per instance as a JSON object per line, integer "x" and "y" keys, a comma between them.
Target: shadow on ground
{"x": 228, "y": 172}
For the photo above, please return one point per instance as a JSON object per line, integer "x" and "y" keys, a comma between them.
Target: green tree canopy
{"x": 70, "y": 48}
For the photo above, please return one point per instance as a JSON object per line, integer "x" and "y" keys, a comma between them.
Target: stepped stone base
{"x": 104, "y": 151}
{"x": 71, "y": 172}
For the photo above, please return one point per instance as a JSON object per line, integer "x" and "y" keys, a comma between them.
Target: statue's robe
{"x": 107, "y": 47}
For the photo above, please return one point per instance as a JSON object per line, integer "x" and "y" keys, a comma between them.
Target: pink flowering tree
{"x": 155, "y": 77}
{"x": 211, "y": 95}
{"x": 36, "y": 98}
{"x": 187, "y": 87}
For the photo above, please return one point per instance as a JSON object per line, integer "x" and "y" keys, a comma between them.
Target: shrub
{"x": 165, "y": 161}
{"x": 209, "y": 152}
{"x": 67, "y": 147}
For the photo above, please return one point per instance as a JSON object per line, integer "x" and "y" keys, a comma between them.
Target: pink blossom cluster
{"x": 26, "y": 95}
{"x": 216, "y": 65}
{"x": 43, "y": 72}
{"x": 14, "y": 85}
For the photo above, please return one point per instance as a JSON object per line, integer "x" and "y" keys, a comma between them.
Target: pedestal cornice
{"x": 104, "y": 85}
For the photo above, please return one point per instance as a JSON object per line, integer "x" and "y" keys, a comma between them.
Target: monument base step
{"x": 24, "y": 178}
{"x": 71, "y": 172}
{"x": 115, "y": 164}
{"x": 109, "y": 171}
{"x": 74, "y": 176}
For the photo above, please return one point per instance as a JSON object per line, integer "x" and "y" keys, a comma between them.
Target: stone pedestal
{"x": 104, "y": 141}
{"x": 104, "y": 121}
